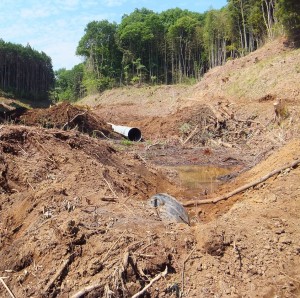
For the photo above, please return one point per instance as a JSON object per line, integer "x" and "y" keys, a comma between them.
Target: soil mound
{"x": 66, "y": 116}
{"x": 73, "y": 213}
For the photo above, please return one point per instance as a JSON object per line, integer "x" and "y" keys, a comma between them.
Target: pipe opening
{"x": 134, "y": 134}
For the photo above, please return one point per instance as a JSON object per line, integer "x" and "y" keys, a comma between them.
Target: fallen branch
{"x": 220, "y": 143}
{"x": 152, "y": 281}
{"x": 237, "y": 250}
{"x": 45, "y": 150}
{"x": 58, "y": 273}
{"x": 242, "y": 188}
{"x": 110, "y": 187}
{"x": 95, "y": 130}
{"x": 110, "y": 249}
{"x": 26, "y": 153}
{"x": 154, "y": 144}
{"x": 190, "y": 135}
{"x": 122, "y": 270}
{"x": 144, "y": 255}
{"x": 141, "y": 158}
{"x": 7, "y": 288}
{"x": 109, "y": 199}
{"x": 183, "y": 268}
{"x": 17, "y": 228}
{"x": 296, "y": 280}
{"x": 86, "y": 290}
{"x": 70, "y": 121}
{"x": 108, "y": 293}
{"x": 30, "y": 184}
{"x": 247, "y": 120}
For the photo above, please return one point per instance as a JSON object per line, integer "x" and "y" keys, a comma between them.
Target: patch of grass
{"x": 126, "y": 142}
{"x": 185, "y": 128}
{"x": 6, "y": 94}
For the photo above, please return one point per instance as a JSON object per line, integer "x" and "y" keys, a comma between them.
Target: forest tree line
{"x": 174, "y": 46}
{"x": 24, "y": 72}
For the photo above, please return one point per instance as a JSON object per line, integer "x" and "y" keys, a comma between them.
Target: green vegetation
{"x": 171, "y": 47}
{"x": 289, "y": 15}
{"x": 126, "y": 142}
{"x": 25, "y": 72}
{"x": 174, "y": 46}
{"x": 69, "y": 84}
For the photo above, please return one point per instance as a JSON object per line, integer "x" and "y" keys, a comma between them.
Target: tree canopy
{"x": 25, "y": 72}
{"x": 289, "y": 15}
{"x": 175, "y": 46}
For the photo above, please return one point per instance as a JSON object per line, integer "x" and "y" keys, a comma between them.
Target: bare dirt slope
{"x": 234, "y": 103}
{"x": 74, "y": 217}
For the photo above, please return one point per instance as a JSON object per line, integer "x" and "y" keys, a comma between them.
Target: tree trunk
{"x": 244, "y": 26}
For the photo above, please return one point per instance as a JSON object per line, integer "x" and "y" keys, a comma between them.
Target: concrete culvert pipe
{"x": 132, "y": 133}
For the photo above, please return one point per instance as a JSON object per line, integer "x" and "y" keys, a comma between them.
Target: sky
{"x": 56, "y": 26}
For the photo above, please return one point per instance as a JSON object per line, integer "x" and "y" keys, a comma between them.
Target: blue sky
{"x": 56, "y": 26}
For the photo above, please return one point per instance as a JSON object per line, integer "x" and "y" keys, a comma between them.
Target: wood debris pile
{"x": 209, "y": 125}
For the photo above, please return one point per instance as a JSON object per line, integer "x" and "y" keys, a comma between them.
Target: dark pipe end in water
{"x": 134, "y": 134}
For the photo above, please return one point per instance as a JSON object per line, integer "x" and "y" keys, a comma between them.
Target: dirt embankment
{"x": 65, "y": 199}
{"x": 74, "y": 217}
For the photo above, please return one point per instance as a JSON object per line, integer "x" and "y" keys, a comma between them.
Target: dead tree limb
{"x": 152, "y": 281}
{"x": 58, "y": 273}
{"x": 70, "y": 121}
{"x": 7, "y": 288}
{"x": 99, "y": 131}
{"x": 183, "y": 268}
{"x": 190, "y": 135}
{"x": 246, "y": 120}
{"x": 110, "y": 187}
{"x": 242, "y": 188}
{"x": 110, "y": 249}
{"x": 109, "y": 199}
{"x": 86, "y": 290}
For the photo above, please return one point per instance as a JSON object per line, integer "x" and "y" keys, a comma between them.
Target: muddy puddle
{"x": 198, "y": 181}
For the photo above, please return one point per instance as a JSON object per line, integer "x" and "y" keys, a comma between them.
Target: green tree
{"x": 69, "y": 83}
{"x": 185, "y": 45}
{"x": 99, "y": 49}
{"x": 139, "y": 36}
{"x": 217, "y": 34}
{"x": 239, "y": 10}
{"x": 252, "y": 21}
{"x": 176, "y": 45}
{"x": 170, "y": 20}
{"x": 25, "y": 72}
{"x": 289, "y": 16}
